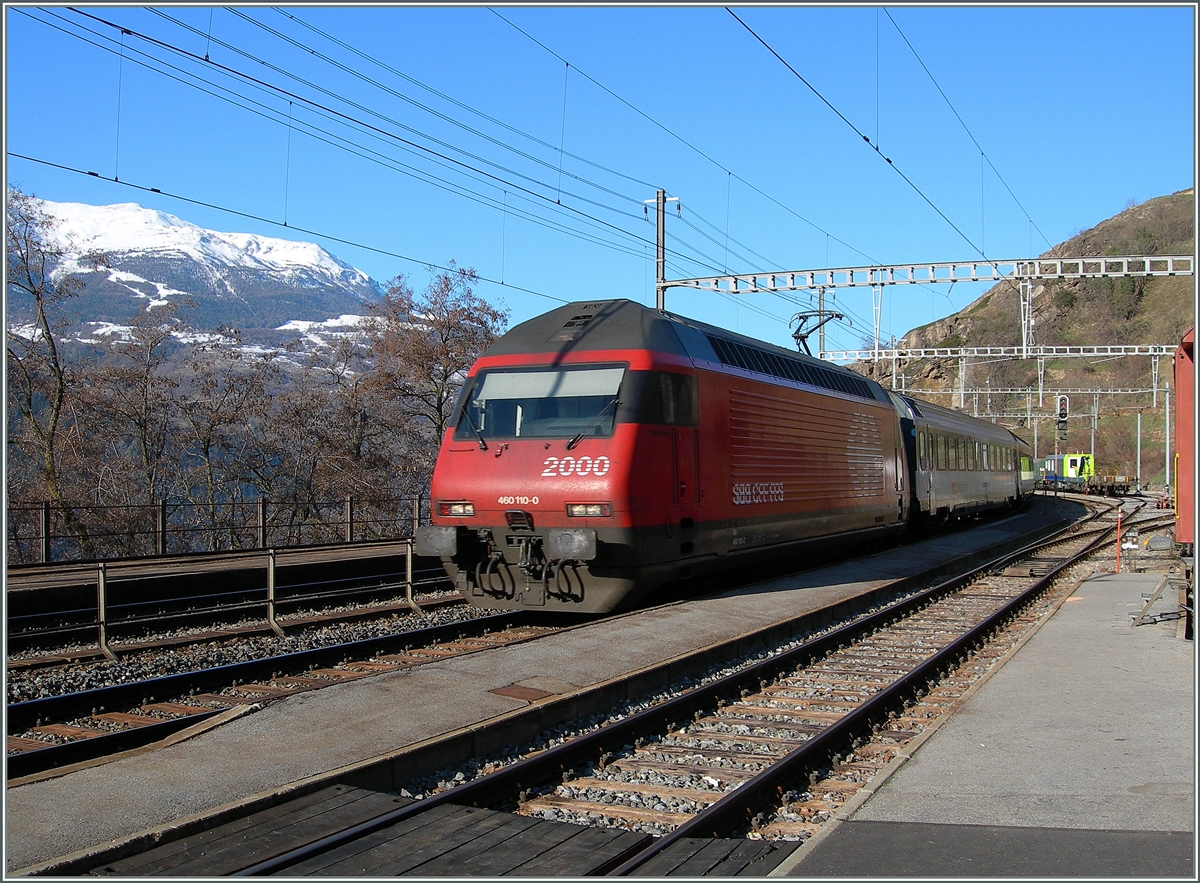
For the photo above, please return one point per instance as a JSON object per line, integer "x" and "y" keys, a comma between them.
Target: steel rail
{"x": 78, "y": 750}
{"x": 561, "y": 758}
{"x": 730, "y": 811}
{"x": 356, "y": 584}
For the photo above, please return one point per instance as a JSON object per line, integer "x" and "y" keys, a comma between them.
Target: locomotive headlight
{"x": 589, "y": 510}
{"x": 456, "y": 509}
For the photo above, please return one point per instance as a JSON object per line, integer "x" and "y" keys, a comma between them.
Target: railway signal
{"x": 1064, "y": 408}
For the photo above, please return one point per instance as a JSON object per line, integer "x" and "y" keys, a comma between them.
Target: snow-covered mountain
{"x": 267, "y": 288}
{"x": 129, "y": 229}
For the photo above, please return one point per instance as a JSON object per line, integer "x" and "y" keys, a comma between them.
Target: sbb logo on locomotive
{"x": 555, "y": 466}
{"x": 758, "y": 492}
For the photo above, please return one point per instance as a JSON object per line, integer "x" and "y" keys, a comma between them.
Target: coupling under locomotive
{"x": 603, "y": 449}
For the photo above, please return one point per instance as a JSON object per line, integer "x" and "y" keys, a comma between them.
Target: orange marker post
{"x": 1119, "y": 513}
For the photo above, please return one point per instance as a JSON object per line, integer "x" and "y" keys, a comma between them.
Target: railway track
{"x": 155, "y": 638}
{"x": 215, "y": 607}
{"x": 769, "y": 751}
{"x": 58, "y": 731}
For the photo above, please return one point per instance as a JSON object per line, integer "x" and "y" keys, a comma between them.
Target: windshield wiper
{"x": 574, "y": 441}
{"x": 471, "y": 423}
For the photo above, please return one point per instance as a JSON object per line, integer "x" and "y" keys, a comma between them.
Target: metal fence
{"x": 60, "y": 532}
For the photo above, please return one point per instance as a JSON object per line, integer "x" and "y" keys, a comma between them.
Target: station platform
{"x": 1075, "y": 759}
{"x": 373, "y": 724}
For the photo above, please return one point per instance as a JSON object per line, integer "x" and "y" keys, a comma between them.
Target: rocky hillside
{"x": 1089, "y": 312}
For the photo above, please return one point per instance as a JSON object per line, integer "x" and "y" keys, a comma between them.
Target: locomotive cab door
{"x": 686, "y": 483}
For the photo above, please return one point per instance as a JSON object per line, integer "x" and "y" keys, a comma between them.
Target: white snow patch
{"x": 25, "y": 331}
{"x": 199, "y": 337}
{"x": 304, "y": 326}
{"x": 108, "y": 329}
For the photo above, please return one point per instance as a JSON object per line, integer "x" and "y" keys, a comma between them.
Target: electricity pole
{"x": 660, "y": 251}
{"x": 660, "y": 245}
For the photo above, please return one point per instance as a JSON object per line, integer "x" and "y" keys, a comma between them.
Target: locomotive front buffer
{"x": 530, "y": 563}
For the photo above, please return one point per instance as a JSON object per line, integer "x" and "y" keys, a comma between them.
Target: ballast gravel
{"x": 130, "y": 667}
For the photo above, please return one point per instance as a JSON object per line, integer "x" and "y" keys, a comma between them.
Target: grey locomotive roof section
{"x": 690, "y": 330}
{"x": 587, "y": 326}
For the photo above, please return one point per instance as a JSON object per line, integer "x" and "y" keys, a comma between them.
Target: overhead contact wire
{"x": 970, "y": 134}
{"x": 855, "y": 129}
{"x": 338, "y": 142}
{"x": 391, "y": 135}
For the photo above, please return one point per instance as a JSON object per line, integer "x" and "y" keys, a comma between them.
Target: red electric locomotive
{"x": 603, "y": 449}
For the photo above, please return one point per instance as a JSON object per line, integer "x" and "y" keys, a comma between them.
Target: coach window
{"x": 978, "y": 463}
{"x": 924, "y": 462}
{"x": 986, "y": 458}
{"x": 941, "y": 452}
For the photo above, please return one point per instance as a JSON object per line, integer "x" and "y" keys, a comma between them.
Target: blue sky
{"x": 522, "y": 141}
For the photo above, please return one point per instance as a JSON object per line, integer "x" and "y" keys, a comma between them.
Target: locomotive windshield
{"x": 540, "y": 403}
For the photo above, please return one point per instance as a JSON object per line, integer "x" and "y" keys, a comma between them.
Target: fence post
{"x": 271, "y": 593}
{"x": 408, "y": 577}
{"x": 349, "y": 519}
{"x": 102, "y": 609}
{"x": 262, "y": 522}
{"x": 160, "y": 536}
{"x": 416, "y": 514}
{"x": 45, "y": 531}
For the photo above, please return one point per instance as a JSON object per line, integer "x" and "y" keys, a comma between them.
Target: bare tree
{"x": 223, "y": 402}
{"x": 39, "y": 377}
{"x": 134, "y": 390}
{"x": 423, "y": 346}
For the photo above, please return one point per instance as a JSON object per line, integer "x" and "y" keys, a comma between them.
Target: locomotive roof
{"x": 623, "y": 324}
{"x": 591, "y": 325}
